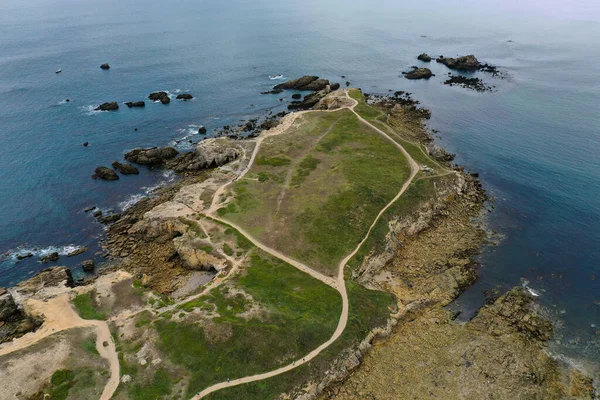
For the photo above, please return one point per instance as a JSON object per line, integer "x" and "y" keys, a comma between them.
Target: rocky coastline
{"x": 428, "y": 260}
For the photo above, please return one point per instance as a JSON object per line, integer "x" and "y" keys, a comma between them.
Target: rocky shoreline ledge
{"x": 427, "y": 260}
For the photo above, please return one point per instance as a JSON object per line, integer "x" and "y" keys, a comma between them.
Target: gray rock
{"x": 153, "y": 157}
{"x": 131, "y": 104}
{"x": 305, "y": 83}
{"x": 52, "y": 257}
{"x": 105, "y": 173}
{"x": 125, "y": 169}
{"x": 163, "y": 97}
{"x": 105, "y": 66}
{"x": 418, "y": 73}
{"x": 184, "y": 96}
{"x": 464, "y": 63}
{"x": 110, "y": 106}
{"x": 88, "y": 265}
{"x": 424, "y": 57}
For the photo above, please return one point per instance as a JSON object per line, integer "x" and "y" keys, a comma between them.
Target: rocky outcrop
{"x": 78, "y": 251}
{"x": 111, "y": 106}
{"x": 310, "y": 100}
{"x": 418, "y": 73}
{"x": 108, "y": 219}
{"x": 125, "y": 169}
{"x": 88, "y": 265}
{"x": 464, "y": 63}
{"x": 52, "y": 257}
{"x": 210, "y": 153}
{"x": 202, "y": 130}
{"x": 424, "y": 57}
{"x": 131, "y": 104}
{"x": 47, "y": 278}
{"x": 193, "y": 257}
{"x": 154, "y": 156}
{"x": 184, "y": 96}
{"x": 13, "y": 321}
{"x": 105, "y": 66}
{"x": 296, "y": 96}
{"x": 163, "y": 97}
{"x": 439, "y": 153}
{"x": 514, "y": 311}
{"x": 305, "y": 83}
{"x": 468, "y": 83}
{"x": 105, "y": 173}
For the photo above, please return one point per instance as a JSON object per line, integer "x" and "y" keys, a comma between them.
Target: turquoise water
{"x": 535, "y": 141}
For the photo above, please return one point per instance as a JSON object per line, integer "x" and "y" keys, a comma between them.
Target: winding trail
{"x": 337, "y": 283}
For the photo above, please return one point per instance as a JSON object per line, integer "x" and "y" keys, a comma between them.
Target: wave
{"x": 168, "y": 177}
{"x": 525, "y": 284}
{"x": 91, "y": 109}
{"x": 275, "y": 77}
{"x": 13, "y": 255}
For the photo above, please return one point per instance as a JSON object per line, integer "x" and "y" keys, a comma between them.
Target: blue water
{"x": 535, "y": 141}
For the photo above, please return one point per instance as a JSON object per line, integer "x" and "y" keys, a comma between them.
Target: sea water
{"x": 535, "y": 140}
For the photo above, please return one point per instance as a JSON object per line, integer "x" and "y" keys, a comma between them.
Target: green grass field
{"x": 261, "y": 320}
{"x": 317, "y": 204}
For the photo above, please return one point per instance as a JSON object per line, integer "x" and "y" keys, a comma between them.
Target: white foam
{"x": 90, "y": 110}
{"x": 13, "y": 254}
{"x": 525, "y": 284}
{"x": 275, "y": 77}
{"x": 168, "y": 175}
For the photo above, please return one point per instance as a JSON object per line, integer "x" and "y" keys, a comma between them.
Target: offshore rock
{"x": 184, "y": 96}
{"x": 110, "y": 106}
{"x": 88, "y": 265}
{"x": 163, "y": 97}
{"x": 305, "y": 83}
{"x": 125, "y": 169}
{"x": 464, "y": 63}
{"x": 105, "y": 173}
{"x": 105, "y": 66}
{"x": 52, "y": 257}
{"x": 152, "y": 157}
{"x": 424, "y": 57}
{"x": 131, "y": 104}
{"x": 418, "y": 73}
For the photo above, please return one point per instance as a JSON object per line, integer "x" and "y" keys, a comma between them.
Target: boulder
{"x": 202, "y": 130}
{"x": 78, "y": 251}
{"x": 424, "y": 57}
{"x": 464, "y": 63}
{"x": 163, "y": 97}
{"x": 304, "y": 83}
{"x": 88, "y": 265}
{"x": 86, "y": 144}
{"x": 105, "y": 66}
{"x": 125, "y": 169}
{"x": 131, "y": 104}
{"x": 109, "y": 219}
{"x": 23, "y": 256}
{"x": 105, "y": 173}
{"x": 190, "y": 251}
{"x": 184, "y": 96}
{"x": 335, "y": 86}
{"x": 210, "y": 153}
{"x": 111, "y": 106}
{"x": 8, "y": 307}
{"x": 154, "y": 156}
{"x": 418, "y": 73}
{"x": 52, "y": 257}
{"x": 296, "y": 96}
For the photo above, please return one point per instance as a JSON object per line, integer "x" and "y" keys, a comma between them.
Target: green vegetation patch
{"x": 298, "y": 313}
{"x": 342, "y": 173}
{"x": 159, "y": 387}
{"x": 368, "y": 309}
{"x": 86, "y": 306}
{"x": 276, "y": 161}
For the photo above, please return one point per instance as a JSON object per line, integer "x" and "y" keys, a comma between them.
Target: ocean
{"x": 535, "y": 140}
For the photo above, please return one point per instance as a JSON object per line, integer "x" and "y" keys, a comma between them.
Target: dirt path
{"x": 59, "y": 316}
{"x": 338, "y": 283}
